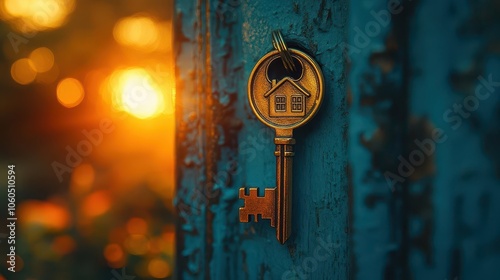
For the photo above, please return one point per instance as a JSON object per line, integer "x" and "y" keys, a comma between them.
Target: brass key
{"x": 283, "y": 99}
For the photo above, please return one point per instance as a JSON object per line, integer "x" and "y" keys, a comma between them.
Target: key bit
{"x": 263, "y": 206}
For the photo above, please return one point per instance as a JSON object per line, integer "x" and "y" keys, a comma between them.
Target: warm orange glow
{"x": 70, "y": 92}
{"x": 37, "y": 15}
{"x": 82, "y": 178}
{"x": 170, "y": 101}
{"x": 63, "y": 244}
{"x": 113, "y": 253}
{"x": 106, "y": 106}
{"x": 96, "y": 204}
{"x": 134, "y": 91}
{"x": 158, "y": 268}
{"x": 117, "y": 235}
{"x": 137, "y": 226}
{"x": 48, "y": 77}
{"x": 44, "y": 214}
{"x": 137, "y": 244}
{"x": 158, "y": 245}
{"x": 164, "y": 42}
{"x": 137, "y": 31}
{"x": 22, "y": 72}
{"x": 42, "y": 60}
{"x": 169, "y": 237}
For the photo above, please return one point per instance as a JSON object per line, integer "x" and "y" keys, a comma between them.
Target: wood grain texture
{"x": 320, "y": 194}
{"x": 437, "y": 220}
{"x": 378, "y": 129}
{"x": 222, "y": 146}
{"x": 359, "y": 212}
{"x": 455, "y": 204}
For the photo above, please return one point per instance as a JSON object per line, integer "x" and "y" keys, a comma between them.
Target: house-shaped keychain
{"x": 287, "y": 99}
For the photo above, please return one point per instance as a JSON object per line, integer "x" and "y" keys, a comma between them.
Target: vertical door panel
{"x": 409, "y": 64}
{"x": 222, "y": 146}
{"x": 377, "y": 51}
{"x": 455, "y": 216}
{"x": 424, "y": 214}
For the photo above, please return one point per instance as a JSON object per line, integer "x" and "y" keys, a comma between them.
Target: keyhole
{"x": 276, "y": 70}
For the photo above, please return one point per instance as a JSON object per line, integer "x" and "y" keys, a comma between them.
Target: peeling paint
{"x": 441, "y": 222}
{"x": 214, "y": 60}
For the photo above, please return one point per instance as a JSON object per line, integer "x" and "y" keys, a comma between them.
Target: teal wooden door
{"x": 222, "y": 146}
{"x": 388, "y": 182}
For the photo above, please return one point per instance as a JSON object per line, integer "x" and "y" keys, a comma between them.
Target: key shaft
{"x": 284, "y": 162}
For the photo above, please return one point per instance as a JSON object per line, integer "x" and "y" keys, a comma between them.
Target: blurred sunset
{"x": 88, "y": 96}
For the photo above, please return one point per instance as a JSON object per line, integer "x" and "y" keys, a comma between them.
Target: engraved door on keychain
{"x": 283, "y": 102}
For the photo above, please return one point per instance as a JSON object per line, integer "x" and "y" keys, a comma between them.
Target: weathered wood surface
{"x": 390, "y": 83}
{"x": 222, "y": 146}
{"x": 437, "y": 217}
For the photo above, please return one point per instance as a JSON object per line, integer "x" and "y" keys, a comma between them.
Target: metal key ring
{"x": 279, "y": 45}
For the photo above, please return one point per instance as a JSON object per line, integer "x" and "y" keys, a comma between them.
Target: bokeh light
{"x": 82, "y": 178}
{"x": 70, "y": 92}
{"x": 42, "y": 59}
{"x": 158, "y": 268}
{"x": 137, "y": 31}
{"x": 64, "y": 244}
{"x": 169, "y": 237}
{"x": 137, "y": 226}
{"x": 22, "y": 71}
{"x": 137, "y": 244}
{"x": 36, "y": 15}
{"x": 134, "y": 91}
{"x": 109, "y": 210}
{"x": 113, "y": 253}
{"x": 44, "y": 214}
{"x": 96, "y": 204}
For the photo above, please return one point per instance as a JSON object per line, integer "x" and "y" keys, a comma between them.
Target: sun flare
{"x": 134, "y": 91}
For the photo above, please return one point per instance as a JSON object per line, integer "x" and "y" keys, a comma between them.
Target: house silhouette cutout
{"x": 287, "y": 99}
